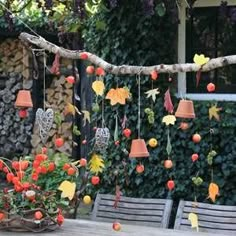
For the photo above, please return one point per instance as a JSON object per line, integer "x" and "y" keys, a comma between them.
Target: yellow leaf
{"x": 194, "y": 220}
{"x": 169, "y": 119}
{"x": 86, "y": 117}
{"x": 118, "y": 95}
{"x": 71, "y": 109}
{"x": 200, "y": 59}
{"x": 213, "y": 112}
{"x": 213, "y": 190}
{"x": 68, "y": 189}
{"x": 98, "y": 87}
{"x": 96, "y": 164}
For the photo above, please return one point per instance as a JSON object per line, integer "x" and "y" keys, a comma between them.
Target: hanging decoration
{"x": 211, "y": 87}
{"x": 23, "y": 99}
{"x": 70, "y": 109}
{"x": 102, "y": 137}
{"x": 150, "y": 115}
{"x": 98, "y": 87}
{"x": 169, "y": 120}
{"x": 168, "y": 102}
{"x": 67, "y": 189}
{"x": 152, "y": 93}
{"x": 213, "y": 112}
{"x": 86, "y": 117}
{"x": 118, "y": 95}
{"x": 185, "y": 109}
{"x": 213, "y": 191}
{"x": 193, "y": 218}
{"x": 55, "y": 69}
{"x": 96, "y": 164}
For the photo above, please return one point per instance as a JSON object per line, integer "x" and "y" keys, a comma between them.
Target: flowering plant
{"x": 39, "y": 190}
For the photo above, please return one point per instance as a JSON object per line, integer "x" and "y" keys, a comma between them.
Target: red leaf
{"x": 56, "y": 65}
{"x": 118, "y": 195}
{"x": 168, "y": 103}
{"x": 198, "y": 77}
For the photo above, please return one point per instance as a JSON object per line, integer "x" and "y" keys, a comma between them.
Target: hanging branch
{"x": 127, "y": 69}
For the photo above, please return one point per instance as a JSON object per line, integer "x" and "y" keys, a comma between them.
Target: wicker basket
{"x": 26, "y": 222}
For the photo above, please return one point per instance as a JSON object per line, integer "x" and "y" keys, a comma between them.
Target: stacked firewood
{"x": 15, "y": 132}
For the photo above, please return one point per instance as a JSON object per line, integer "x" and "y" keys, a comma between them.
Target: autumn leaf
{"x": 96, "y": 164}
{"x": 98, "y": 87}
{"x": 213, "y": 112}
{"x": 153, "y": 93}
{"x": 86, "y": 117}
{"x": 200, "y": 59}
{"x": 193, "y": 218}
{"x": 167, "y": 102}
{"x": 68, "y": 189}
{"x": 169, "y": 119}
{"x": 71, "y": 109}
{"x": 118, "y": 95}
{"x": 213, "y": 190}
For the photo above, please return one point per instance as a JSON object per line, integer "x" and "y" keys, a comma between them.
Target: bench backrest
{"x": 211, "y": 217}
{"x": 140, "y": 211}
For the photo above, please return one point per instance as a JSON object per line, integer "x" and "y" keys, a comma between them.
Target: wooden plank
{"x": 211, "y": 206}
{"x": 130, "y": 205}
{"x": 179, "y": 215}
{"x": 211, "y": 212}
{"x": 167, "y": 213}
{"x": 95, "y": 207}
{"x": 137, "y": 200}
{"x": 136, "y": 211}
{"x": 216, "y": 218}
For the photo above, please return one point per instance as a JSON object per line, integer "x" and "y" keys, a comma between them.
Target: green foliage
{"x": 130, "y": 38}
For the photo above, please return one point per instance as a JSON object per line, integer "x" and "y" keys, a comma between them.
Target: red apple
{"x": 196, "y": 138}
{"x": 127, "y": 132}
{"x": 195, "y": 157}
{"x": 90, "y": 70}
{"x": 70, "y": 79}
{"x": 140, "y": 168}
{"x": 83, "y": 162}
{"x": 23, "y": 113}
{"x": 83, "y": 56}
{"x": 154, "y": 75}
{"x": 168, "y": 164}
{"x": 38, "y": 215}
{"x": 100, "y": 71}
{"x": 59, "y": 142}
{"x": 116, "y": 226}
{"x": 95, "y": 180}
{"x": 170, "y": 184}
{"x": 211, "y": 87}
{"x": 44, "y": 150}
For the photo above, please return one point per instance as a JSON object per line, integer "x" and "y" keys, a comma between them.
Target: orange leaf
{"x": 118, "y": 95}
{"x": 213, "y": 190}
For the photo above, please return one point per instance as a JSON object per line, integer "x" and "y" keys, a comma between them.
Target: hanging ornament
{"x": 154, "y": 75}
{"x": 168, "y": 102}
{"x": 196, "y": 138}
{"x": 70, "y": 79}
{"x": 213, "y": 191}
{"x": 169, "y": 120}
{"x": 23, "y": 99}
{"x": 168, "y": 164}
{"x": 152, "y": 93}
{"x": 44, "y": 119}
{"x": 102, "y": 137}
{"x": 170, "y": 185}
{"x": 193, "y": 218}
{"x": 98, "y": 87}
{"x": 90, "y": 70}
{"x": 211, "y": 87}
{"x": 118, "y": 95}
{"x": 185, "y": 109}
{"x": 213, "y": 112}
{"x": 127, "y": 132}
{"x": 140, "y": 168}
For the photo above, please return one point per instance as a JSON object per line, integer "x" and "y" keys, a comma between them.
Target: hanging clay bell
{"x": 23, "y": 99}
{"x": 138, "y": 148}
{"x": 185, "y": 109}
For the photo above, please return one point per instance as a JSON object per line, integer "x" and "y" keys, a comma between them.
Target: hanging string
{"x": 19, "y": 19}
{"x": 139, "y": 105}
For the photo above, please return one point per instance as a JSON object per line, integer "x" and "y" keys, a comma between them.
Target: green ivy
{"x": 124, "y": 36}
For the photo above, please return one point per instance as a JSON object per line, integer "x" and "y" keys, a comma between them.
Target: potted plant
{"x": 40, "y": 189}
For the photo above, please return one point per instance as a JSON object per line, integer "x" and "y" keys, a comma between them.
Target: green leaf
{"x": 76, "y": 131}
{"x": 57, "y": 119}
{"x": 160, "y": 9}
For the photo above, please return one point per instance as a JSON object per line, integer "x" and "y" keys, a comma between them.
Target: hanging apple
{"x": 195, "y": 157}
{"x": 95, "y": 180}
{"x": 184, "y": 125}
{"x": 140, "y": 168}
{"x": 168, "y": 164}
{"x": 83, "y": 56}
{"x": 211, "y": 87}
{"x": 70, "y": 79}
{"x": 100, "y": 71}
{"x": 152, "y": 142}
{"x": 83, "y": 162}
{"x": 196, "y": 138}
{"x": 127, "y": 132}
{"x": 170, "y": 184}
{"x": 23, "y": 113}
{"x": 154, "y": 75}
{"x": 59, "y": 142}
{"x": 84, "y": 142}
{"x": 90, "y": 70}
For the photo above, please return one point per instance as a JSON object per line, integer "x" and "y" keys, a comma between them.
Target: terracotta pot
{"x": 138, "y": 148}
{"x": 23, "y": 99}
{"x": 185, "y": 109}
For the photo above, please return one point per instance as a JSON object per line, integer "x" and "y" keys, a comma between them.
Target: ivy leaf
{"x": 96, "y": 164}
{"x": 161, "y": 9}
{"x": 76, "y": 131}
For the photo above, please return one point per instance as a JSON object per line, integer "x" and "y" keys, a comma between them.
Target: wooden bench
{"x": 139, "y": 211}
{"x": 211, "y": 217}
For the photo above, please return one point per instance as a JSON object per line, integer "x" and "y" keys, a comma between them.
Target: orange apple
{"x": 90, "y": 70}
{"x": 140, "y": 168}
{"x": 154, "y": 75}
{"x": 95, "y": 180}
{"x": 116, "y": 226}
{"x": 59, "y": 142}
{"x": 83, "y": 162}
{"x": 211, "y": 87}
{"x": 196, "y": 138}
{"x": 38, "y": 215}
{"x": 195, "y": 157}
{"x": 168, "y": 164}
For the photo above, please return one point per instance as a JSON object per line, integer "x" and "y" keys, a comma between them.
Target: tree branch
{"x": 127, "y": 69}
